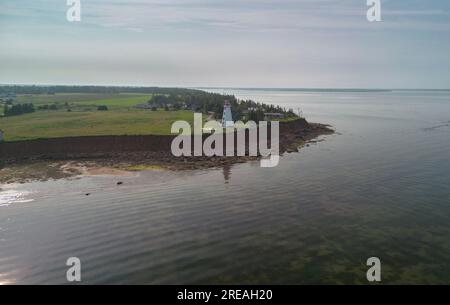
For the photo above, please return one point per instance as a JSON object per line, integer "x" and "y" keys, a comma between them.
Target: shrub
{"x": 18, "y": 109}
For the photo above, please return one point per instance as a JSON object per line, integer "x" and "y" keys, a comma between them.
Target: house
{"x": 144, "y": 106}
{"x": 8, "y": 98}
{"x": 269, "y": 116}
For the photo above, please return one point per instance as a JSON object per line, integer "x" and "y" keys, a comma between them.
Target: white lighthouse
{"x": 227, "y": 118}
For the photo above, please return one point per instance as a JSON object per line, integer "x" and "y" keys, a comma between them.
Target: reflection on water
{"x": 226, "y": 172}
{"x": 377, "y": 188}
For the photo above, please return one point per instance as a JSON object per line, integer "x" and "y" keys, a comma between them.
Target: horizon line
{"x": 226, "y": 87}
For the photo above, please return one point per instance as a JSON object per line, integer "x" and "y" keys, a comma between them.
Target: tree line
{"x": 18, "y": 109}
{"x": 206, "y": 102}
{"x": 33, "y": 89}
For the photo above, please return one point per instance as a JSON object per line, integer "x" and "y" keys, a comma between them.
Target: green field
{"x": 122, "y": 118}
{"x": 77, "y": 100}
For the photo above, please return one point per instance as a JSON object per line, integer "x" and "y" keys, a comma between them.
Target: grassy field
{"x": 40, "y": 99}
{"x": 122, "y": 118}
{"x": 85, "y": 100}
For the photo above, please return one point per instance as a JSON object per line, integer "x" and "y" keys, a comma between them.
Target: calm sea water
{"x": 378, "y": 187}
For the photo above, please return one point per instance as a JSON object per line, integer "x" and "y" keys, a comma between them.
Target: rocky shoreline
{"x": 42, "y": 167}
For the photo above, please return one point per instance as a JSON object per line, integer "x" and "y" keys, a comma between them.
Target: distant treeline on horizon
{"x": 35, "y": 89}
{"x": 50, "y": 89}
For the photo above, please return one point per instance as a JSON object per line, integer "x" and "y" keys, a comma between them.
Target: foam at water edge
{"x": 13, "y": 196}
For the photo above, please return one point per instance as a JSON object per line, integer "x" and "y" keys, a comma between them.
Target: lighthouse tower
{"x": 227, "y": 118}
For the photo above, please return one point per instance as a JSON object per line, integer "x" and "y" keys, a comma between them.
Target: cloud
{"x": 251, "y": 15}
{"x": 206, "y": 42}
{"x": 234, "y": 15}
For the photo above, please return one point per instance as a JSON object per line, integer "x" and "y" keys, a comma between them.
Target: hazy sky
{"x": 245, "y": 43}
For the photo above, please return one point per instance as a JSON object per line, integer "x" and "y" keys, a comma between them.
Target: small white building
{"x": 1, "y": 136}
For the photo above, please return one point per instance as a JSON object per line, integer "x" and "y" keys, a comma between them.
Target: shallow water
{"x": 378, "y": 187}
